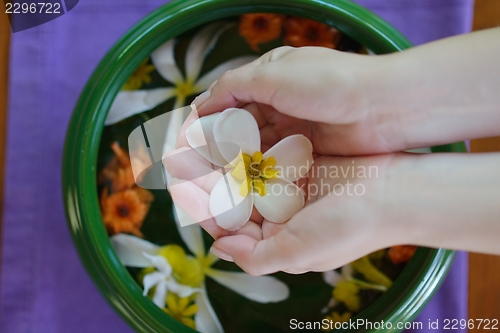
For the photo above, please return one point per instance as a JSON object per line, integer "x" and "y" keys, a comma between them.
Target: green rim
{"x": 401, "y": 303}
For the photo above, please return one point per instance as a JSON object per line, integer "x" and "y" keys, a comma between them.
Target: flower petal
{"x": 236, "y": 126}
{"x": 293, "y": 156}
{"x": 180, "y": 289}
{"x": 201, "y": 44}
{"x": 174, "y": 125}
{"x": 332, "y": 277}
{"x": 164, "y": 61}
{"x": 190, "y": 233}
{"x": 262, "y": 289}
{"x": 230, "y": 210}
{"x": 150, "y": 280}
{"x": 347, "y": 272}
{"x": 206, "y": 80}
{"x": 200, "y": 136}
{"x": 128, "y": 103}
{"x": 161, "y": 264}
{"x": 282, "y": 200}
{"x": 130, "y": 249}
{"x": 160, "y": 294}
{"x": 206, "y": 318}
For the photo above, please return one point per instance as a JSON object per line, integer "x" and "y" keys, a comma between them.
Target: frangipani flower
{"x": 128, "y": 103}
{"x": 261, "y": 179}
{"x": 262, "y": 289}
{"x": 139, "y": 77}
{"x": 163, "y": 280}
{"x": 346, "y": 288}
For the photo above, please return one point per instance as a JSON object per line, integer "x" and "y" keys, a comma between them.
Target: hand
{"x": 346, "y": 217}
{"x": 321, "y": 93}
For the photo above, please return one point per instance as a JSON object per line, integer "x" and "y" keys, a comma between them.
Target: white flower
{"x": 129, "y": 103}
{"x": 262, "y": 289}
{"x": 136, "y": 252}
{"x": 164, "y": 281}
{"x": 232, "y": 139}
{"x": 334, "y": 278}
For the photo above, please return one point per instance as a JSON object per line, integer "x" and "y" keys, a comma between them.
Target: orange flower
{"x": 118, "y": 172}
{"x": 305, "y": 32}
{"x": 125, "y": 211}
{"x": 402, "y": 253}
{"x": 260, "y": 28}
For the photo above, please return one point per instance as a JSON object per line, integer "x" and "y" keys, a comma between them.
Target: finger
{"x": 256, "y": 216}
{"x": 251, "y": 83}
{"x": 181, "y": 137}
{"x": 270, "y": 229}
{"x": 284, "y": 251}
{"x": 257, "y": 112}
{"x": 250, "y": 229}
{"x": 185, "y": 163}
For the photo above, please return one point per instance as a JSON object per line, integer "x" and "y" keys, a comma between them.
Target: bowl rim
{"x": 87, "y": 123}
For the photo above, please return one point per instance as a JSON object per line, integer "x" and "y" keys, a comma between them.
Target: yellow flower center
{"x": 348, "y": 293}
{"x": 181, "y": 309}
{"x": 187, "y": 270}
{"x": 185, "y": 89}
{"x": 139, "y": 77}
{"x": 253, "y": 172}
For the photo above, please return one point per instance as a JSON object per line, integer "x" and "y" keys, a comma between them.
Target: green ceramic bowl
{"x": 412, "y": 289}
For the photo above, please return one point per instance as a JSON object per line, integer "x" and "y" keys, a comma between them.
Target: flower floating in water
{"x": 346, "y": 288}
{"x": 125, "y": 211}
{"x": 402, "y": 253}
{"x": 163, "y": 281}
{"x": 260, "y": 28}
{"x": 118, "y": 172}
{"x": 336, "y": 317}
{"x": 128, "y": 103}
{"x": 181, "y": 309}
{"x": 305, "y": 32}
{"x": 140, "y": 76}
{"x": 261, "y": 179}
{"x": 191, "y": 272}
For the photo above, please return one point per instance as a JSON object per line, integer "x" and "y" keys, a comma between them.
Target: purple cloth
{"x": 44, "y": 287}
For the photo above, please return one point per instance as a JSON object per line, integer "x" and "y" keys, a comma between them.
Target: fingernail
{"x": 198, "y": 101}
{"x": 221, "y": 254}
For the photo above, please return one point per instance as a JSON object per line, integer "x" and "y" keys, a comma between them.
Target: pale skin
{"x": 362, "y": 110}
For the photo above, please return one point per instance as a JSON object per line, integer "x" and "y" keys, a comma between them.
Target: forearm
{"x": 448, "y": 200}
{"x": 441, "y": 92}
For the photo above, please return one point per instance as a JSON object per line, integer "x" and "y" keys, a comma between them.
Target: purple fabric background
{"x": 44, "y": 287}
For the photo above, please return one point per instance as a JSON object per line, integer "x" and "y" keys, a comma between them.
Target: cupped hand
{"x": 331, "y": 97}
{"x": 348, "y": 215}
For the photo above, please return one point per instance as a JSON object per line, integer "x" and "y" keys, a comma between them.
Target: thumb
{"x": 284, "y": 251}
{"x": 254, "y": 82}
